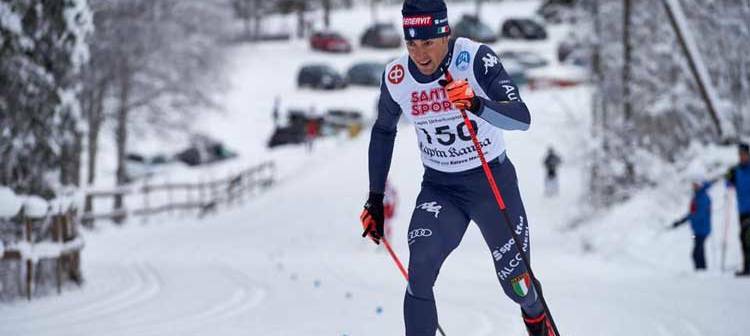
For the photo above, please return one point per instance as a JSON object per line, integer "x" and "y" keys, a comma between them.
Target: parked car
{"x": 330, "y": 42}
{"x": 365, "y": 73}
{"x": 381, "y": 35}
{"x": 556, "y": 11}
{"x": 471, "y": 27}
{"x": 566, "y": 47}
{"x": 342, "y": 118}
{"x": 138, "y": 165}
{"x": 204, "y": 150}
{"x": 579, "y": 58}
{"x": 524, "y": 29}
{"x": 287, "y": 135}
{"x": 528, "y": 59}
{"x": 320, "y": 76}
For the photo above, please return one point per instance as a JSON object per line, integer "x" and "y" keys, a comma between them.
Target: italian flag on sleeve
{"x": 521, "y": 284}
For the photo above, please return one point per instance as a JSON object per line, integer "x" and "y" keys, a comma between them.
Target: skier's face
{"x": 744, "y": 157}
{"x": 427, "y": 54}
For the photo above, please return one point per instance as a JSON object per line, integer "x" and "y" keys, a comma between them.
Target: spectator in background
{"x": 700, "y": 220}
{"x": 739, "y": 178}
{"x": 551, "y": 162}
{"x": 311, "y": 132}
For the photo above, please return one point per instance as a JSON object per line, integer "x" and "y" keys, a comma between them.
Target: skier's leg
{"x": 513, "y": 275}
{"x": 745, "y": 240}
{"x": 745, "y": 233}
{"x": 699, "y": 257}
{"x": 436, "y": 228}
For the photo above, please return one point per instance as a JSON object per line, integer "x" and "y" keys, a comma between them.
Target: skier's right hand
{"x": 372, "y": 217}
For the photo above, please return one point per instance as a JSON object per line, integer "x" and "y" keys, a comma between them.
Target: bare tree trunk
{"x": 121, "y": 136}
{"x": 374, "y": 10}
{"x": 257, "y": 17}
{"x": 95, "y": 119}
{"x": 627, "y": 59}
{"x": 326, "y": 13}
{"x": 300, "y": 20}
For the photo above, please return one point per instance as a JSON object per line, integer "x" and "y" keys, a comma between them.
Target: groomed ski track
{"x": 291, "y": 261}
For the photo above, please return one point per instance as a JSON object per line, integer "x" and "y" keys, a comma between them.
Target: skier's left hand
{"x": 462, "y": 96}
{"x": 373, "y": 218}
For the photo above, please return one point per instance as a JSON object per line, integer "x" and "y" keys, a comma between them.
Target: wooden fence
{"x": 50, "y": 243}
{"x": 204, "y": 197}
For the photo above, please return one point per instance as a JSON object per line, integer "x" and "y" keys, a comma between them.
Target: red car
{"x": 330, "y": 42}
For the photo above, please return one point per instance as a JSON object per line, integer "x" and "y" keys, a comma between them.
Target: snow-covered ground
{"x": 291, "y": 262}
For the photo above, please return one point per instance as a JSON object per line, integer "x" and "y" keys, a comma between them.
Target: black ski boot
{"x": 743, "y": 273}
{"x": 538, "y": 326}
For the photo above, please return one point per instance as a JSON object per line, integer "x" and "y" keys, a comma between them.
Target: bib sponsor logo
{"x": 396, "y": 75}
{"x": 431, "y": 207}
{"x": 416, "y": 233}
{"x": 506, "y": 271}
{"x": 418, "y": 21}
{"x": 489, "y": 61}
{"x": 503, "y": 250}
{"x": 463, "y": 60}
{"x": 434, "y": 100}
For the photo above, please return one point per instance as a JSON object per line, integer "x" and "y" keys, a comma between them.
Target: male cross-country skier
{"x": 454, "y": 187}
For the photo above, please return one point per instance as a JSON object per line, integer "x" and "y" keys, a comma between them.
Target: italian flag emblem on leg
{"x": 521, "y": 284}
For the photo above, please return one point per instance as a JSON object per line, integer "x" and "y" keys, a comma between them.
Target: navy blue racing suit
{"x": 448, "y": 201}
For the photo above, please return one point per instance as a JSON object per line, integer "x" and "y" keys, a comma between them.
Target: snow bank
{"x": 640, "y": 227}
{"x": 10, "y": 204}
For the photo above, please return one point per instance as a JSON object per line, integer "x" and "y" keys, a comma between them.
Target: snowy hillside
{"x": 292, "y": 262}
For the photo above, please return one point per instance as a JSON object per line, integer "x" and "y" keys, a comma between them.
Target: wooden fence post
{"x": 29, "y": 263}
{"x": 88, "y": 210}
{"x": 119, "y": 207}
{"x": 57, "y": 236}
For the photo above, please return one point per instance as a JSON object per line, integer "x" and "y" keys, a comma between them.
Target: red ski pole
{"x": 501, "y": 205}
{"x": 403, "y": 270}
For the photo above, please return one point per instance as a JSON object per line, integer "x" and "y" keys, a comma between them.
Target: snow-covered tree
{"x": 43, "y": 49}
{"x": 154, "y": 66}
{"x": 648, "y": 107}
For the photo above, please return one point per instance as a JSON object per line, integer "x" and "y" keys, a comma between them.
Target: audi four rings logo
{"x": 396, "y": 75}
{"x": 416, "y": 233}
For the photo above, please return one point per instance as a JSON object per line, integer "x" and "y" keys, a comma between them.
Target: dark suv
{"x": 471, "y": 27}
{"x": 320, "y": 76}
{"x": 381, "y": 35}
{"x": 365, "y": 73}
{"x": 524, "y": 29}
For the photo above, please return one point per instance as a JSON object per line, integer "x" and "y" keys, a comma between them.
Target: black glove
{"x": 372, "y": 217}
